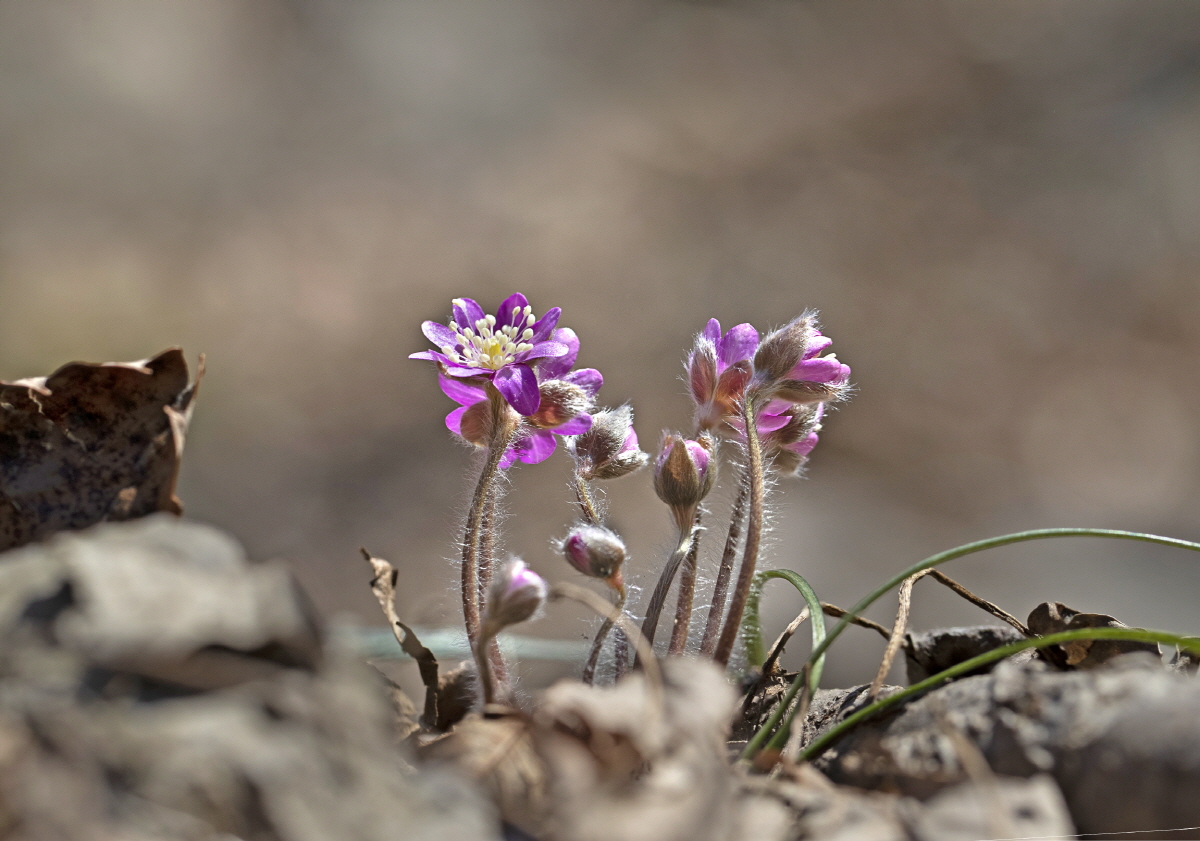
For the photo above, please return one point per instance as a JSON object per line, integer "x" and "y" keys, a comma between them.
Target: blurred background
{"x": 993, "y": 205}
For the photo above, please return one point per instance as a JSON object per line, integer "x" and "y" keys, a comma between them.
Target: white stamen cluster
{"x": 489, "y": 346}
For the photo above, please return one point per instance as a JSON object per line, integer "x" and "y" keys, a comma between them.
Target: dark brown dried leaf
{"x": 91, "y": 442}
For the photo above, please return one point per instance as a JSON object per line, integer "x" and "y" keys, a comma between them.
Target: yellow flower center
{"x": 487, "y": 345}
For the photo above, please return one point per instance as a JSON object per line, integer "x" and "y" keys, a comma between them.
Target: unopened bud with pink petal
{"x": 684, "y": 473}
{"x": 610, "y": 448}
{"x": 516, "y": 594}
{"x": 597, "y": 552}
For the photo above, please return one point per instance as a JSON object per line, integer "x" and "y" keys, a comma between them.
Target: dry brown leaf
{"x": 91, "y": 442}
{"x": 1053, "y": 617}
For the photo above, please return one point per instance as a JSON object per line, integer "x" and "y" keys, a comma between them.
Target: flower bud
{"x": 684, "y": 474}
{"x": 597, "y": 552}
{"x": 515, "y": 595}
{"x": 560, "y": 402}
{"x": 783, "y": 350}
{"x": 610, "y": 448}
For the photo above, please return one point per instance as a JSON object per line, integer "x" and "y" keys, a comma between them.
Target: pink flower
{"x": 564, "y": 398}
{"x": 500, "y": 348}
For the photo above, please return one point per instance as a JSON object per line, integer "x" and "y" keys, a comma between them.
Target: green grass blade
{"x": 826, "y": 739}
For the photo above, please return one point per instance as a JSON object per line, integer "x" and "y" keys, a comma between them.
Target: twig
{"x": 861, "y": 621}
{"x": 778, "y": 645}
{"x": 978, "y": 601}
{"x": 896, "y": 640}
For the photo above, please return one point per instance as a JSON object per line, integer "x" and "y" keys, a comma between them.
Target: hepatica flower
{"x": 787, "y": 370}
{"x": 498, "y": 348}
{"x": 526, "y": 361}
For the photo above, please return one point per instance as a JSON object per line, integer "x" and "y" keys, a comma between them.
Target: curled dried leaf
{"x": 90, "y": 443}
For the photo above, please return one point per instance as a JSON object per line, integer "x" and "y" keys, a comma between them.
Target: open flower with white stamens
{"x": 501, "y": 348}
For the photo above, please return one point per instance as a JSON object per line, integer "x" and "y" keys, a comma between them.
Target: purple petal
{"x": 712, "y": 331}
{"x": 543, "y": 349}
{"x": 589, "y": 379}
{"x": 817, "y": 344}
{"x": 631, "y": 442}
{"x": 519, "y": 385}
{"x": 536, "y": 447}
{"x": 554, "y": 368}
{"x": 506, "y": 460}
{"x": 805, "y": 445}
{"x": 462, "y": 393}
{"x": 739, "y": 343}
{"x": 770, "y": 423}
{"x": 511, "y": 308}
{"x": 439, "y": 334}
{"x": 432, "y": 356}
{"x": 825, "y": 369}
{"x": 577, "y": 425}
{"x": 699, "y": 454}
{"x": 544, "y": 325}
{"x": 454, "y": 420}
{"x": 454, "y": 370}
{"x": 466, "y": 312}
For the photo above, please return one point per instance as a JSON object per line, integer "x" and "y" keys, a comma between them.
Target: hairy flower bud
{"x": 787, "y": 448}
{"x": 597, "y": 552}
{"x": 783, "y": 349}
{"x": 684, "y": 474}
{"x": 610, "y": 448}
{"x": 561, "y": 401}
{"x": 515, "y": 595}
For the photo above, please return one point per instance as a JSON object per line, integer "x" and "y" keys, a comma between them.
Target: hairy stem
{"x": 473, "y": 536}
{"x": 487, "y": 564}
{"x": 659, "y": 596}
{"x": 756, "y": 482}
{"x": 587, "y": 505}
{"x": 687, "y": 592}
{"x": 589, "y": 669}
{"x": 721, "y": 588}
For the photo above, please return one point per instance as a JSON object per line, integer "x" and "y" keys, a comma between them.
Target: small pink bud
{"x": 595, "y": 551}
{"x": 610, "y": 448}
{"x": 516, "y": 594}
{"x": 684, "y": 474}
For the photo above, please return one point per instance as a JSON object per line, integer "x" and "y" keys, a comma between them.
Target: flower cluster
{"x": 785, "y": 374}
{"x": 514, "y": 379}
{"x": 512, "y": 362}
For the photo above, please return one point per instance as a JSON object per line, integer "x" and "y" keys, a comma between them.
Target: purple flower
{"x": 564, "y": 398}
{"x": 785, "y": 367}
{"x": 502, "y": 348}
{"x": 718, "y": 368}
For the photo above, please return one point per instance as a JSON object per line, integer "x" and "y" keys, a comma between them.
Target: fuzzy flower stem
{"x": 587, "y": 505}
{"x": 487, "y": 561}
{"x": 589, "y": 669}
{"x": 487, "y": 681}
{"x": 757, "y": 493}
{"x": 687, "y": 591}
{"x": 721, "y": 588}
{"x": 659, "y": 597}
{"x": 473, "y": 537}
